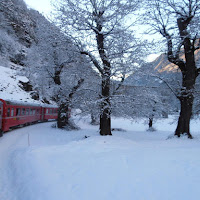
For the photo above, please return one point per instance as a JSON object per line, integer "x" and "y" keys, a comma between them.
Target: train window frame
{"x": 12, "y": 112}
{"x": 8, "y": 112}
{"x": 23, "y": 111}
{"x": 27, "y": 111}
{"x": 18, "y": 111}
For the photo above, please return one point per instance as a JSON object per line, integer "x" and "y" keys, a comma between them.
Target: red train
{"x": 13, "y": 114}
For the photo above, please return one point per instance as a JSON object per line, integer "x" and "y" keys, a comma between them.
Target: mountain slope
{"x": 10, "y": 87}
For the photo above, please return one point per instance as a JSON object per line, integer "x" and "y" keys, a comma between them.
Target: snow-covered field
{"x": 42, "y": 163}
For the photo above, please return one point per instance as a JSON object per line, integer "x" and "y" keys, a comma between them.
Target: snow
{"x": 23, "y": 79}
{"x": 152, "y": 57}
{"x": 41, "y": 162}
{"x": 10, "y": 88}
{"x": 9, "y": 85}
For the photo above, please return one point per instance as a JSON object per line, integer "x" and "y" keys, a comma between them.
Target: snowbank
{"x": 109, "y": 168}
{"x": 43, "y": 163}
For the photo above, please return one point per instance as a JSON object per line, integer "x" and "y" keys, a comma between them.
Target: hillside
{"x": 17, "y": 35}
{"x": 10, "y": 86}
{"x": 161, "y": 64}
{"x": 31, "y": 47}
{"x": 160, "y": 67}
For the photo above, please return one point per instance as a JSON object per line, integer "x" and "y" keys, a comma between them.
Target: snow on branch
{"x": 94, "y": 60}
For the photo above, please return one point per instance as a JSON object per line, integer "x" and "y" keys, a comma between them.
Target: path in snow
{"x": 8, "y": 143}
{"x": 36, "y": 135}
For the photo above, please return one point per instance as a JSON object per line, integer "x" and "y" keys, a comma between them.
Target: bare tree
{"x": 101, "y": 32}
{"x": 178, "y": 22}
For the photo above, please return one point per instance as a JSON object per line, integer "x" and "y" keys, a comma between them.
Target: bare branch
{"x": 120, "y": 84}
{"x": 167, "y": 84}
{"x": 95, "y": 62}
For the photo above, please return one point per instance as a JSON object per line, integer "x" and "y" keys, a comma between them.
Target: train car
{"x": 13, "y": 114}
{"x": 49, "y": 113}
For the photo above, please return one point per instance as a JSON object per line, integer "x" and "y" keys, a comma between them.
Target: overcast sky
{"x": 43, "y": 6}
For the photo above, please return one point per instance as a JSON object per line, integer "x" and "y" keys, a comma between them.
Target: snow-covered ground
{"x": 42, "y": 163}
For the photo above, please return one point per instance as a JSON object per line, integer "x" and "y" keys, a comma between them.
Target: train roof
{"x": 24, "y": 103}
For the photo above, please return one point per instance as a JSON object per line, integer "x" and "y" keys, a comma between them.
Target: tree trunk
{"x": 105, "y": 115}
{"x": 63, "y": 116}
{"x": 150, "y": 122}
{"x": 186, "y": 100}
{"x": 183, "y": 126}
{"x": 189, "y": 75}
{"x": 105, "y": 123}
{"x": 64, "y": 111}
{"x": 187, "y": 97}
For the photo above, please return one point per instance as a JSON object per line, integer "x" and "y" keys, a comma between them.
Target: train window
{"x": 23, "y": 111}
{"x": 12, "y": 112}
{"x": 27, "y": 111}
{"x": 18, "y": 111}
{"x": 47, "y": 111}
{"x": 31, "y": 111}
{"x": 50, "y": 111}
{"x": 8, "y": 112}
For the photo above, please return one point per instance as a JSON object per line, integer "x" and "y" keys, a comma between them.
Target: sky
{"x": 43, "y": 6}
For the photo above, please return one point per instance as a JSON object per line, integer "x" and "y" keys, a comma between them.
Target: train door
{"x": 1, "y": 116}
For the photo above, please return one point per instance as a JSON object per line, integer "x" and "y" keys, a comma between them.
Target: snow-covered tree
{"x": 144, "y": 95}
{"x": 178, "y": 22}
{"x": 57, "y": 71}
{"x": 101, "y": 31}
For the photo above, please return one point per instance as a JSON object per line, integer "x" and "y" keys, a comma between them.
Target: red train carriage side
{"x": 50, "y": 112}
{"x": 13, "y": 113}
{"x": 17, "y": 113}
